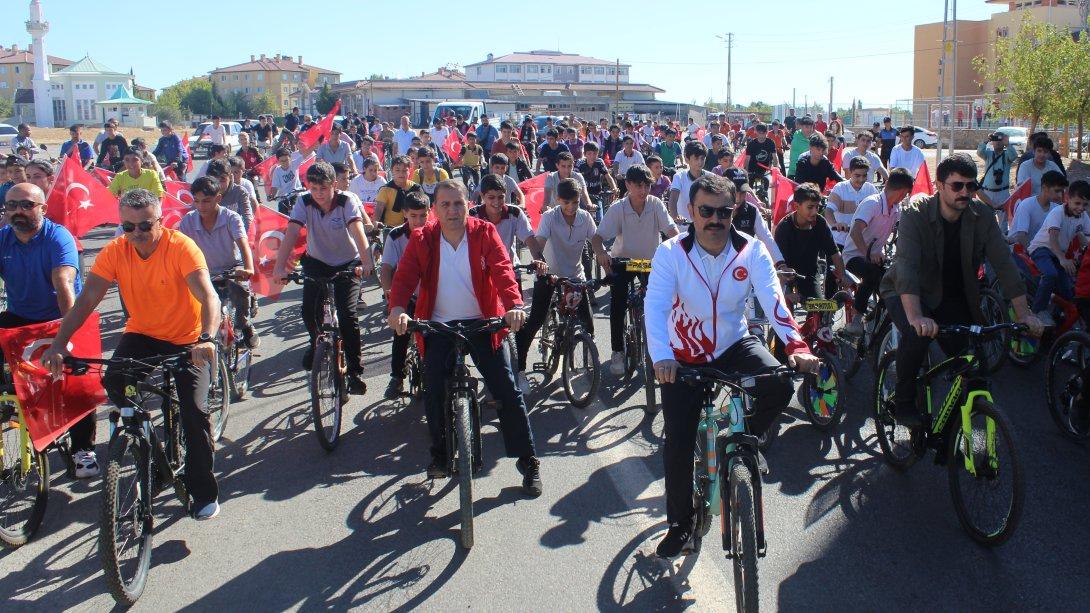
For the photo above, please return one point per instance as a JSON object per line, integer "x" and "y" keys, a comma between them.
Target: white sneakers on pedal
{"x": 86, "y": 464}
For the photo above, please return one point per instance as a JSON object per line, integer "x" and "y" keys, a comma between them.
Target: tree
{"x": 165, "y": 113}
{"x": 263, "y": 104}
{"x": 325, "y": 100}
{"x": 7, "y": 106}
{"x": 1027, "y": 71}
{"x": 1074, "y": 98}
{"x": 190, "y": 96}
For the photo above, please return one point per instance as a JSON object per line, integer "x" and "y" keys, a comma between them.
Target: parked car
{"x": 200, "y": 142}
{"x": 7, "y": 133}
{"x": 924, "y": 138}
{"x": 1017, "y": 137}
{"x": 1074, "y": 143}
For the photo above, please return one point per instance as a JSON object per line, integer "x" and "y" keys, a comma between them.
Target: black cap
{"x": 739, "y": 178}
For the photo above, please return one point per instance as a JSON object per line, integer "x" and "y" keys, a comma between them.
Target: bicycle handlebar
{"x": 975, "y": 331}
{"x": 700, "y": 374}
{"x": 459, "y": 330}
{"x": 173, "y": 361}
{"x": 298, "y": 276}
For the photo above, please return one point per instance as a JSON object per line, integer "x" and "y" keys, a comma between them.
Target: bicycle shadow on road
{"x": 637, "y": 580}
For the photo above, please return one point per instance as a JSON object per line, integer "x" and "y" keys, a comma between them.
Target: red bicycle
{"x": 1024, "y": 350}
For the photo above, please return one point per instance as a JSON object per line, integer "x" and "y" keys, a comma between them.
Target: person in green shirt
{"x": 134, "y": 176}
{"x": 800, "y": 142}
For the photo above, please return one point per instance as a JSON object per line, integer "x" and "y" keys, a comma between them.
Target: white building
{"x": 547, "y": 66}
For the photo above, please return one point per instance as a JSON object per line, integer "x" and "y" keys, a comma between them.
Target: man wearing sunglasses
{"x": 695, "y": 315}
{"x": 156, "y": 267}
{"x": 39, "y": 265}
{"x": 941, "y": 243}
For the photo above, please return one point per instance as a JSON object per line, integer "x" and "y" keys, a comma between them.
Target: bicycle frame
{"x": 461, "y": 383}
{"x": 959, "y": 368}
{"x": 25, "y": 448}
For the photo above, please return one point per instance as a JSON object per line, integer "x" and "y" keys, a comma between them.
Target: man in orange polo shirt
{"x": 164, "y": 282}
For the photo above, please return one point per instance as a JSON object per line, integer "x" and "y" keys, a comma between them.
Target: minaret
{"x": 43, "y": 97}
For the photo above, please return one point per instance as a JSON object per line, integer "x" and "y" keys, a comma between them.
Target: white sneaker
{"x": 86, "y": 464}
{"x": 616, "y": 363}
{"x": 1046, "y": 319}
{"x": 208, "y": 511}
{"x": 524, "y": 384}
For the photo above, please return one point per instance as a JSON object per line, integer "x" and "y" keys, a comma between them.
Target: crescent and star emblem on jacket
{"x": 740, "y": 273}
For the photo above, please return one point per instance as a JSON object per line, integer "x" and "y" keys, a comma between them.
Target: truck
{"x": 472, "y": 110}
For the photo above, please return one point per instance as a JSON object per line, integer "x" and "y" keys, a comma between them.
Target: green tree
{"x": 191, "y": 96}
{"x": 165, "y": 113}
{"x": 325, "y": 100}
{"x": 1027, "y": 72}
{"x": 7, "y": 107}
{"x": 263, "y": 104}
{"x": 1074, "y": 98}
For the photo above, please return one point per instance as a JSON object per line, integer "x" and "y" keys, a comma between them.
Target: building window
{"x": 610, "y": 71}
{"x": 624, "y": 71}
{"x": 245, "y": 77}
{"x": 260, "y": 90}
{"x": 585, "y": 70}
{"x": 18, "y": 69}
{"x": 83, "y": 110}
{"x": 3, "y": 70}
{"x": 599, "y": 70}
{"x": 246, "y": 90}
{"x": 3, "y": 84}
{"x": 516, "y": 68}
{"x": 223, "y": 78}
{"x": 260, "y": 76}
{"x": 532, "y": 68}
{"x": 60, "y": 112}
{"x": 283, "y": 76}
{"x": 297, "y": 76}
{"x": 236, "y": 78}
{"x": 478, "y": 69}
{"x": 547, "y": 68}
{"x": 501, "y": 68}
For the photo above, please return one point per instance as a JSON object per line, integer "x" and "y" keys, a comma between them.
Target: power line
{"x": 806, "y": 60}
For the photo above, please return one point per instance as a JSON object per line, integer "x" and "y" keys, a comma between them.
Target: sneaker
{"x": 530, "y": 468}
{"x": 671, "y": 545}
{"x": 1046, "y": 319}
{"x": 249, "y": 334}
{"x": 86, "y": 464}
{"x": 437, "y": 469}
{"x": 854, "y": 328}
{"x": 762, "y": 463}
{"x": 394, "y": 388}
{"x": 524, "y": 384}
{"x": 308, "y": 357}
{"x": 207, "y": 512}
{"x": 356, "y": 385}
{"x": 616, "y": 363}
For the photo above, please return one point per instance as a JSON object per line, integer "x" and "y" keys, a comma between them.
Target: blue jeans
{"x": 1054, "y": 279}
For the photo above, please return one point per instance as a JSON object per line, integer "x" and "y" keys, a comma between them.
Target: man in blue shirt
{"x": 887, "y": 137}
{"x": 40, "y": 268}
{"x": 86, "y": 155}
{"x": 170, "y": 149}
{"x": 486, "y": 134}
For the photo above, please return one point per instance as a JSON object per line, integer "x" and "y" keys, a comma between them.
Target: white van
{"x": 472, "y": 110}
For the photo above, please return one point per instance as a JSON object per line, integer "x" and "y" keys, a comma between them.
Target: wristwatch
{"x": 205, "y": 338}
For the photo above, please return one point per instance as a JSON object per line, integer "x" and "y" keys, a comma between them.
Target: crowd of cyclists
{"x": 453, "y": 228}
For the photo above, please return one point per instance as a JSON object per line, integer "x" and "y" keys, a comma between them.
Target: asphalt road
{"x": 362, "y": 528}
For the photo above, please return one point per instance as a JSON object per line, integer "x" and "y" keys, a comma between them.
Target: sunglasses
{"x": 721, "y": 212}
{"x": 957, "y": 186}
{"x": 26, "y": 205}
{"x": 145, "y": 226}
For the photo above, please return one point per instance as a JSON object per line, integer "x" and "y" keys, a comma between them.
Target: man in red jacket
{"x": 464, "y": 273}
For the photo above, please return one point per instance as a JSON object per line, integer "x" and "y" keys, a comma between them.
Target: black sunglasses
{"x": 722, "y": 212}
{"x": 145, "y": 226}
{"x": 26, "y": 205}
{"x": 957, "y": 186}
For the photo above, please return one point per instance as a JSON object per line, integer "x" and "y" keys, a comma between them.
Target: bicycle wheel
{"x": 240, "y": 373}
{"x": 743, "y": 536}
{"x": 1023, "y": 350}
{"x": 995, "y": 312}
{"x": 414, "y": 372}
{"x": 824, "y": 394}
{"x": 24, "y": 490}
{"x": 650, "y": 404}
{"x": 988, "y": 503}
{"x": 701, "y": 482}
{"x": 219, "y": 397}
{"x": 886, "y": 339}
{"x": 463, "y": 429}
{"x": 896, "y": 441}
{"x": 125, "y": 529}
{"x": 633, "y": 343}
{"x": 582, "y": 371}
{"x": 849, "y": 349}
{"x": 1068, "y": 362}
{"x": 325, "y": 395}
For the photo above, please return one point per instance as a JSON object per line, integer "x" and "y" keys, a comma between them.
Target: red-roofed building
{"x": 17, "y": 68}
{"x": 288, "y": 80}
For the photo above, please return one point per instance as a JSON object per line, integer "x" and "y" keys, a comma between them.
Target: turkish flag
{"x": 838, "y": 159}
{"x": 307, "y": 163}
{"x": 310, "y": 137}
{"x": 180, "y": 190}
{"x": 534, "y": 190}
{"x": 188, "y": 153}
{"x": 922, "y": 185}
{"x": 104, "y": 176}
{"x": 741, "y": 161}
{"x": 266, "y": 233}
{"x": 783, "y": 193}
{"x": 264, "y": 168}
{"x": 699, "y": 134}
{"x": 174, "y": 210}
{"x": 377, "y": 150}
{"x": 78, "y": 201}
{"x": 170, "y": 174}
{"x": 1020, "y": 193}
{"x": 51, "y": 407}
{"x": 453, "y": 147}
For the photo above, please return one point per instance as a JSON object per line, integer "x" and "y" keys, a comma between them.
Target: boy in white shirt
{"x": 845, "y": 197}
{"x": 366, "y": 185}
{"x": 1029, "y": 214}
{"x": 1049, "y": 249}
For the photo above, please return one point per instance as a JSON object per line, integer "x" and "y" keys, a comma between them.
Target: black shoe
{"x": 249, "y": 335}
{"x": 437, "y": 469}
{"x": 394, "y": 389}
{"x": 671, "y": 545}
{"x": 530, "y": 468}
{"x": 356, "y": 386}
{"x": 908, "y": 416}
{"x": 308, "y": 357}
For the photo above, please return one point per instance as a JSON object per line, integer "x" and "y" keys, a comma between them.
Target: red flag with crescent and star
{"x": 310, "y": 137}
{"x": 266, "y": 234}
{"x": 79, "y": 201}
{"x": 180, "y": 190}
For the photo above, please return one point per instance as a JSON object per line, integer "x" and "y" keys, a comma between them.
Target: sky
{"x": 779, "y": 46}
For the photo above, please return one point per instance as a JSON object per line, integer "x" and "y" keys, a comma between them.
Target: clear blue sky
{"x": 866, "y": 46}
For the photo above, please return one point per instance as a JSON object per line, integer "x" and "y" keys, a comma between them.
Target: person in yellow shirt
{"x": 427, "y": 175}
{"x": 134, "y": 176}
{"x": 388, "y": 202}
{"x": 472, "y": 160}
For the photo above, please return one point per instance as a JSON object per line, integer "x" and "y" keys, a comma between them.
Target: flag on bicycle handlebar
{"x": 783, "y": 190}
{"x": 266, "y": 233}
{"x": 51, "y": 407}
{"x": 922, "y": 185}
{"x": 453, "y": 147}
{"x": 741, "y": 160}
{"x": 264, "y": 168}
{"x": 78, "y": 201}
{"x": 310, "y": 137}
{"x": 1020, "y": 193}
{"x": 534, "y": 192}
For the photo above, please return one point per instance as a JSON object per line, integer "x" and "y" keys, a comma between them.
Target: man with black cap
{"x": 747, "y": 216}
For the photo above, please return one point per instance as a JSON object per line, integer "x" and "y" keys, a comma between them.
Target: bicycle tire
{"x": 824, "y": 394}
{"x": 219, "y": 397}
{"x": 581, "y": 344}
{"x": 881, "y": 343}
{"x": 126, "y": 591}
{"x": 632, "y": 342}
{"x": 899, "y": 455}
{"x": 743, "y": 537}
{"x": 464, "y": 433}
{"x": 547, "y": 347}
{"x": 1062, "y": 390}
{"x": 701, "y": 483}
{"x": 17, "y": 534}
{"x": 956, "y": 467}
{"x": 995, "y": 312}
{"x": 240, "y": 373}
{"x": 1022, "y": 350}
{"x": 414, "y": 371}
{"x": 650, "y": 403}
{"x": 325, "y": 385}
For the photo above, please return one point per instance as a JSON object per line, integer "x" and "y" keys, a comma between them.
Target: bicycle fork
{"x": 737, "y": 445}
{"x": 967, "y": 434}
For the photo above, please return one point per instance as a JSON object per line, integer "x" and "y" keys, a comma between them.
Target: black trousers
{"x": 82, "y": 432}
{"x": 495, "y": 368}
{"x": 400, "y": 347}
{"x": 912, "y": 348}
{"x": 468, "y": 172}
{"x": 619, "y": 285}
{"x": 870, "y": 277}
{"x": 192, "y": 388}
{"x": 346, "y": 291}
{"x": 682, "y": 410}
{"x": 539, "y": 310}
{"x": 239, "y": 294}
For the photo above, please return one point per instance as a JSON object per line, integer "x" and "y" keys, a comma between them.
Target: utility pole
{"x": 954, "y": 80}
{"x": 830, "y": 113}
{"x": 729, "y": 39}
{"x": 616, "y": 86}
{"x": 942, "y": 78}
{"x": 792, "y": 97}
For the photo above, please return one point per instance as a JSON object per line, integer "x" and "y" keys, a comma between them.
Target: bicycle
{"x": 236, "y": 357}
{"x": 285, "y": 203}
{"x": 1067, "y": 383}
{"x": 737, "y": 498}
{"x": 141, "y": 462}
{"x": 970, "y": 444}
{"x": 328, "y": 372}
{"x": 564, "y": 337}
{"x": 636, "y": 356}
{"x": 462, "y": 411}
{"x": 1023, "y": 350}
